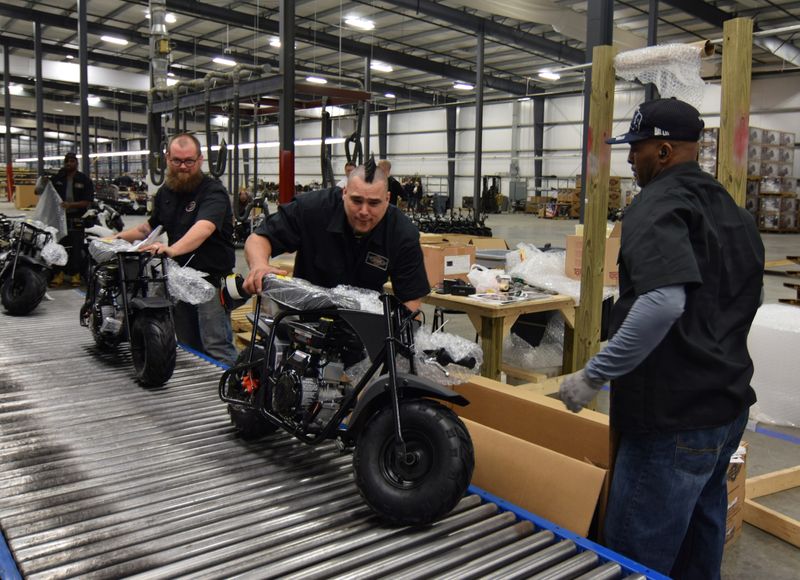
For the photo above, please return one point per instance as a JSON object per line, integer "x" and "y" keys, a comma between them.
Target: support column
{"x": 286, "y": 113}
{"x": 83, "y": 97}
{"x": 383, "y": 129}
{"x": 365, "y": 129}
{"x": 452, "y": 113}
{"x": 538, "y": 142}
{"x": 476, "y": 201}
{"x": 7, "y": 121}
{"x": 650, "y": 90}
{"x": 37, "y": 57}
{"x": 737, "y": 59}
{"x": 598, "y": 164}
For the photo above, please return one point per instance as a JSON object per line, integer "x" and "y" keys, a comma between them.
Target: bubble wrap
{"x": 299, "y": 294}
{"x": 186, "y": 284}
{"x": 104, "y": 249}
{"x": 545, "y": 270}
{"x": 368, "y": 300}
{"x": 774, "y": 342}
{"x": 549, "y": 354}
{"x": 54, "y": 254}
{"x": 673, "y": 68}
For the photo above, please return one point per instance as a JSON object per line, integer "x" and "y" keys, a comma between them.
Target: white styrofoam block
{"x": 774, "y": 343}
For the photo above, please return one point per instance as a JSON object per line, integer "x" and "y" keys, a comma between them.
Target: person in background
{"x": 395, "y": 189}
{"x": 195, "y": 211}
{"x": 76, "y": 189}
{"x": 691, "y": 268}
{"x": 352, "y": 237}
{"x": 348, "y": 169}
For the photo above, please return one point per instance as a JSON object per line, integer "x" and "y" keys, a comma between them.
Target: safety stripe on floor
{"x": 102, "y": 478}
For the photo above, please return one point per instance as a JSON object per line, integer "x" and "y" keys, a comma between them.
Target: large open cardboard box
{"x": 533, "y": 452}
{"x": 574, "y": 258}
{"x": 447, "y": 260}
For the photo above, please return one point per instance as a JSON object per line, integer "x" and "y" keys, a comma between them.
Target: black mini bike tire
{"x": 422, "y": 493}
{"x": 153, "y": 346}
{"x": 22, "y": 294}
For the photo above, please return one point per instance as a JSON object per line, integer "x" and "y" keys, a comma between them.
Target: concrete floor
{"x": 755, "y": 554}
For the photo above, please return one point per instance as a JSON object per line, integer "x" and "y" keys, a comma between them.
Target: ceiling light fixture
{"x": 275, "y": 42}
{"x": 316, "y": 80}
{"x": 360, "y": 23}
{"x": 170, "y": 18}
{"x": 93, "y": 101}
{"x": 224, "y": 61}
{"x": 390, "y": 96}
{"x": 69, "y": 57}
{"x": 381, "y": 66}
{"x": 549, "y": 75}
{"x": 463, "y": 86}
{"x": 114, "y": 40}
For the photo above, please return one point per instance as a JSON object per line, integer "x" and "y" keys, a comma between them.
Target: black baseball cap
{"x": 669, "y": 119}
{"x": 70, "y": 155}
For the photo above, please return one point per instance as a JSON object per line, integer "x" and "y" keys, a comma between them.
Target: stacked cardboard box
{"x": 737, "y": 475}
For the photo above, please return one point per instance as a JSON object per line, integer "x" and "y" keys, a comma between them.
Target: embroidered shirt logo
{"x": 190, "y": 206}
{"x": 377, "y": 261}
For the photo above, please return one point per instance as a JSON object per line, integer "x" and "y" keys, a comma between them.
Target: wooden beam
{"x": 598, "y": 166}
{"x": 774, "y": 482}
{"x": 771, "y": 521}
{"x": 737, "y": 55}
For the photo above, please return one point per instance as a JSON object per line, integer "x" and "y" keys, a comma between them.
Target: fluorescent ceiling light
{"x": 224, "y": 61}
{"x": 170, "y": 74}
{"x": 463, "y": 86}
{"x": 360, "y": 23}
{"x": 275, "y": 41}
{"x": 170, "y": 18}
{"x": 523, "y": 99}
{"x": 171, "y": 82}
{"x": 389, "y": 95}
{"x": 316, "y": 80}
{"x": 15, "y": 89}
{"x": 114, "y": 40}
{"x": 69, "y": 57}
{"x": 381, "y": 66}
{"x": 93, "y": 101}
{"x": 549, "y": 75}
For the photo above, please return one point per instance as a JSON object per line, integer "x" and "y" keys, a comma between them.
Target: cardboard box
{"x": 447, "y": 260}
{"x": 532, "y": 451}
{"x": 574, "y": 258}
{"x": 737, "y": 476}
{"x": 25, "y": 196}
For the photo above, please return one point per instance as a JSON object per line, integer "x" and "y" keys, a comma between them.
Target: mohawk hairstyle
{"x": 369, "y": 169}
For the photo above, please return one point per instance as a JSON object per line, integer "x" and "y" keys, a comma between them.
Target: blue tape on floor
{"x": 8, "y": 567}
{"x": 778, "y": 435}
{"x": 628, "y": 565}
{"x": 203, "y": 356}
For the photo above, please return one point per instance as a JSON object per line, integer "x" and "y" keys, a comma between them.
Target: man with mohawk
{"x": 350, "y": 236}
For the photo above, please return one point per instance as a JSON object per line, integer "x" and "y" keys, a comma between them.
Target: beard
{"x": 183, "y": 182}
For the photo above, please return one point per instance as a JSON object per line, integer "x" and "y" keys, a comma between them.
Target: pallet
{"x": 764, "y": 518}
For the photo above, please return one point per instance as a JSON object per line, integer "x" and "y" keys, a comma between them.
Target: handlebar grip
{"x": 232, "y": 293}
{"x": 444, "y": 359}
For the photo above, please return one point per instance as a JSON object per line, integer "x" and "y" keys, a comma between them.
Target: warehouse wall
{"x": 417, "y": 141}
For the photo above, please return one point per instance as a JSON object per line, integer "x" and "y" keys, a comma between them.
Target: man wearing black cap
{"x": 691, "y": 271}
{"x": 76, "y": 189}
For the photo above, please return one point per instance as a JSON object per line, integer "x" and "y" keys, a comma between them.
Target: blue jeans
{"x": 206, "y": 328}
{"x": 668, "y": 500}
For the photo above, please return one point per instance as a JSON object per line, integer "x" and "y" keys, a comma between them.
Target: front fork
{"x": 400, "y": 446}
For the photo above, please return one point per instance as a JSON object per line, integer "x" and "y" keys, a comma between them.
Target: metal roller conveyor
{"x": 102, "y": 478}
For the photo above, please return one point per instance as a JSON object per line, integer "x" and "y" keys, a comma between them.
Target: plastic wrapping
{"x": 299, "y": 294}
{"x": 457, "y": 347}
{"x": 104, "y": 249}
{"x": 774, "y": 342}
{"x": 368, "y": 300}
{"x": 54, "y": 254}
{"x": 673, "y": 68}
{"x": 546, "y": 358}
{"x": 545, "y": 270}
{"x": 50, "y": 213}
{"x": 188, "y": 285}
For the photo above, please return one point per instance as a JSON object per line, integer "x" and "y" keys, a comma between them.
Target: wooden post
{"x": 601, "y": 112}
{"x": 737, "y": 58}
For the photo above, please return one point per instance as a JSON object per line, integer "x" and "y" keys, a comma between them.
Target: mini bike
{"x": 23, "y": 272}
{"x": 412, "y": 456}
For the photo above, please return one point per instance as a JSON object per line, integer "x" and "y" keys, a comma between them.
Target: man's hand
{"x": 253, "y": 284}
{"x": 577, "y": 390}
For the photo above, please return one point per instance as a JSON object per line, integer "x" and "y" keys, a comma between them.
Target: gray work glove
{"x": 577, "y": 390}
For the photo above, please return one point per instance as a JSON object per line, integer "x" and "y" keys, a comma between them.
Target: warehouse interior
{"x": 488, "y": 106}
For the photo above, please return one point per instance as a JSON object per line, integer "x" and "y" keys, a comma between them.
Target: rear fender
{"x": 409, "y": 386}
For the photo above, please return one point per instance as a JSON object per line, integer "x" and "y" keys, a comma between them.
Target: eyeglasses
{"x": 179, "y": 162}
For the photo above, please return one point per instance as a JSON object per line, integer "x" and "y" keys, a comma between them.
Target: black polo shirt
{"x": 684, "y": 228}
{"x": 178, "y": 212}
{"x": 82, "y": 189}
{"x": 328, "y": 253}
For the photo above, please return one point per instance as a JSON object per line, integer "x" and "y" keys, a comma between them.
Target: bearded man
{"x": 195, "y": 212}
